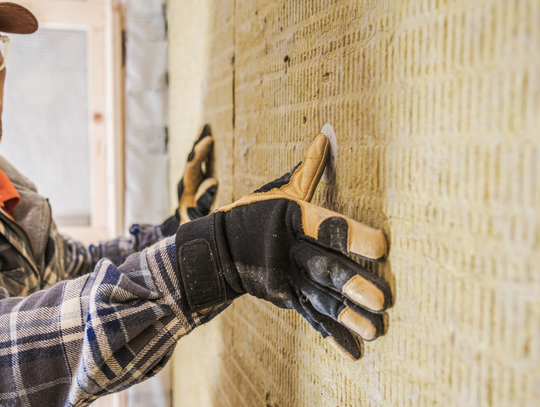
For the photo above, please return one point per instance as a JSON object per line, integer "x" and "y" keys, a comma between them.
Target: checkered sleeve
{"x": 95, "y": 335}
{"x": 80, "y": 259}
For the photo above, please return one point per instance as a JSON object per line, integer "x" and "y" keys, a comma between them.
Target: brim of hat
{"x": 17, "y": 19}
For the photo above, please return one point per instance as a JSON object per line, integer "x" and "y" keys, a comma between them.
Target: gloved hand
{"x": 275, "y": 245}
{"x": 196, "y": 191}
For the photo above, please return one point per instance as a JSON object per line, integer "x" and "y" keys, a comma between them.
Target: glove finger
{"x": 205, "y": 132}
{"x": 200, "y": 150}
{"x": 362, "y": 322}
{"x": 343, "y": 341}
{"x": 298, "y": 306}
{"x": 306, "y": 177}
{"x": 338, "y": 232}
{"x": 341, "y": 274}
{"x": 193, "y": 174}
{"x": 204, "y": 199}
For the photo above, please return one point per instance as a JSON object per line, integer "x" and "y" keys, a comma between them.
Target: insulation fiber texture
{"x": 435, "y": 105}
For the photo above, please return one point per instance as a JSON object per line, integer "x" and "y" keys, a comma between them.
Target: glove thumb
{"x": 306, "y": 177}
{"x": 302, "y": 180}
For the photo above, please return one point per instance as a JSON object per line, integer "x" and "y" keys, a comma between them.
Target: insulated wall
{"x": 436, "y": 109}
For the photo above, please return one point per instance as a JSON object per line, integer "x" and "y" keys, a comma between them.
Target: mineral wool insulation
{"x": 436, "y": 109}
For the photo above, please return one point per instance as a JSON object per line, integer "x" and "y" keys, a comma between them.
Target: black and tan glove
{"x": 196, "y": 190}
{"x": 275, "y": 245}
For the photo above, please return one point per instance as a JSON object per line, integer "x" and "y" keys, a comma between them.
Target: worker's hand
{"x": 196, "y": 191}
{"x": 277, "y": 246}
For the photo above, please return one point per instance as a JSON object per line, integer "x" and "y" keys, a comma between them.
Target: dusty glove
{"x": 196, "y": 191}
{"x": 275, "y": 245}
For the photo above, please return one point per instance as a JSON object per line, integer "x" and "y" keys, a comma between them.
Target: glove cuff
{"x": 170, "y": 226}
{"x": 204, "y": 264}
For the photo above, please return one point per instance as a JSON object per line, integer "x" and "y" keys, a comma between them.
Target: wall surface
{"x": 436, "y": 108}
{"x": 201, "y": 53}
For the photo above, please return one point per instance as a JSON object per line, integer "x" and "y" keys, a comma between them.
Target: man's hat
{"x": 16, "y": 19}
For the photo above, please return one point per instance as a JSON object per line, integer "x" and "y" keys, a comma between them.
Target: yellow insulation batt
{"x": 436, "y": 109}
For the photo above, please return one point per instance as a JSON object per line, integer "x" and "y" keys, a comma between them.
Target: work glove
{"x": 196, "y": 190}
{"x": 275, "y": 245}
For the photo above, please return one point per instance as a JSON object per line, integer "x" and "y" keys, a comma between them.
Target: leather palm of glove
{"x": 196, "y": 190}
{"x": 275, "y": 245}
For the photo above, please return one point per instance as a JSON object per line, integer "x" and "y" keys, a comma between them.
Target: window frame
{"x": 102, "y": 20}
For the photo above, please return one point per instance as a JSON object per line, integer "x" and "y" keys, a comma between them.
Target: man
{"x": 74, "y": 341}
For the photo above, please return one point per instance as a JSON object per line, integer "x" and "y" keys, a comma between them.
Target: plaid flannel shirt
{"x": 94, "y": 335}
{"x": 34, "y": 256}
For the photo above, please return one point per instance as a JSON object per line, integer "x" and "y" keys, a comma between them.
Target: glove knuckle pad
{"x": 325, "y": 304}
{"x": 333, "y": 232}
{"x": 328, "y": 271}
{"x": 343, "y": 234}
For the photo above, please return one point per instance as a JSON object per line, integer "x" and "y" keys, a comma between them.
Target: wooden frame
{"x": 102, "y": 20}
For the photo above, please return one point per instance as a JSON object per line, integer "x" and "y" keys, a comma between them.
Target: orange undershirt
{"x": 9, "y": 197}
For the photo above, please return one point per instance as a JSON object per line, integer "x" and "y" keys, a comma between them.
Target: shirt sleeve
{"x": 95, "y": 335}
{"x": 80, "y": 259}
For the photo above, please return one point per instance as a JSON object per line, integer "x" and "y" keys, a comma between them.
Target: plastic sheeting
{"x": 146, "y": 196}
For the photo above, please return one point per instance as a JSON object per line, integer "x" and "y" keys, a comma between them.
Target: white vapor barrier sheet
{"x": 146, "y": 195}
{"x": 46, "y": 118}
